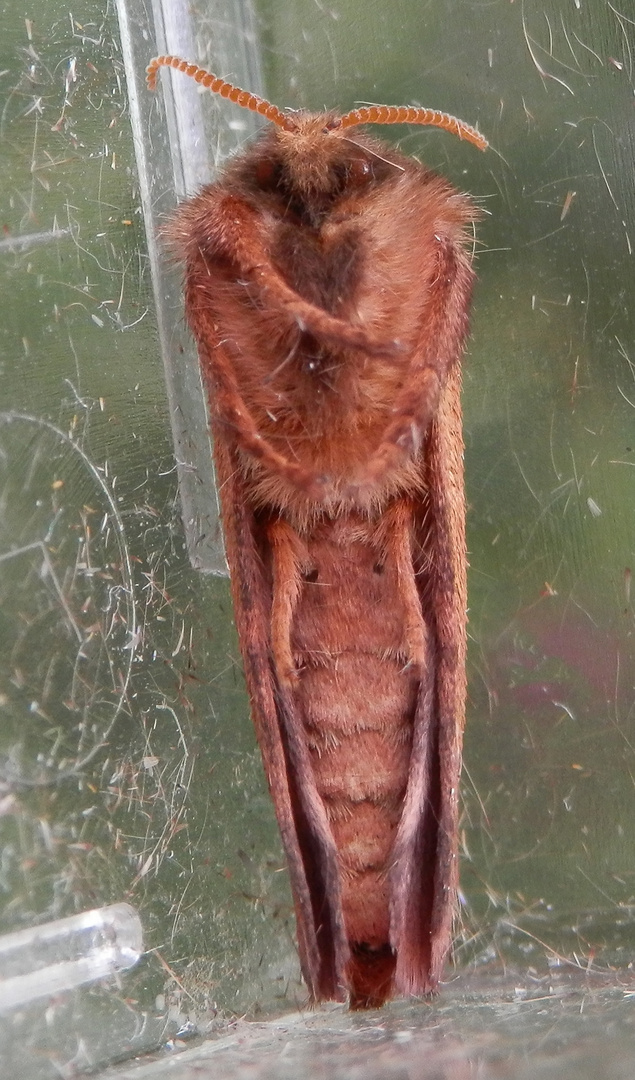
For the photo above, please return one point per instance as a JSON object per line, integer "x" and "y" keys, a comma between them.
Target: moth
{"x": 327, "y": 284}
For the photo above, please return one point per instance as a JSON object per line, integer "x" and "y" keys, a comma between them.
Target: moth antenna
{"x": 219, "y": 86}
{"x": 404, "y": 114}
{"x": 373, "y": 114}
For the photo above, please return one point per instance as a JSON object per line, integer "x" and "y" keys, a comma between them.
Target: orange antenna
{"x": 373, "y": 114}
{"x": 404, "y": 114}
{"x": 219, "y": 86}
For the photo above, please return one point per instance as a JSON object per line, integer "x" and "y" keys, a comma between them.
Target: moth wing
{"x": 425, "y": 869}
{"x": 449, "y": 555}
{"x": 215, "y": 309}
{"x": 306, "y": 837}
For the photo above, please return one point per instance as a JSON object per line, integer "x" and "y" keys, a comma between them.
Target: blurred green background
{"x": 128, "y": 765}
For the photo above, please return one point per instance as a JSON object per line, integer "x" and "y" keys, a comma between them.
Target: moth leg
{"x": 443, "y": 330}
{"x": 228, "y": 404}
{"x": 243, "y": 241}
{"x": 290, "y": 561}
{"x": 395, "y": 536}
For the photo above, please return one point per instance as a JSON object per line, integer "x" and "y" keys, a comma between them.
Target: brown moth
{"x": 327, "y": 284}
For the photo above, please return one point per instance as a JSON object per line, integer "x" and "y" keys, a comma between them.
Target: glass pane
{"x": 128, "y": 766}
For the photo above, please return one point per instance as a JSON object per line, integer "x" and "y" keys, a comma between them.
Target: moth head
{"x": 315, "y": 159}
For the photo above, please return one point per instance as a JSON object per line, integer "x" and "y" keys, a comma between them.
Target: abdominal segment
{"x": 356, "y": 689}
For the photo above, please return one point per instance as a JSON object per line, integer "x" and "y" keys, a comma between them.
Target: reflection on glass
{"x": 47, "y": 960}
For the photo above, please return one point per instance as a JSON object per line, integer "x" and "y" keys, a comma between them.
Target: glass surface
{"x": 128, "y": 765}
{"x": 478, "y": 1028}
